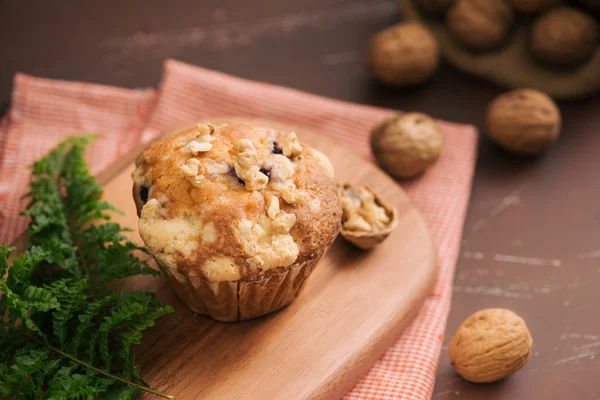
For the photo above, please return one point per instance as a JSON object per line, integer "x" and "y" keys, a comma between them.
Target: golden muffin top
{"x": 233, "y": 201}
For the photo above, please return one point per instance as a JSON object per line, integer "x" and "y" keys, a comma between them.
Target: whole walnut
{"x": 406, "y": 145}
{"x": 564, "y": 36}
{"x": 533, "y": 6}
{"x": 435, "y": 6}
{"x": 490, "y": 345}
{"x": 480, "y": 24}
{"x": 404, "y": 54}
{"x": 523, "y": 121}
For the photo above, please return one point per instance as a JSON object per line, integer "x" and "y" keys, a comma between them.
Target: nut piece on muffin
{"x": 236, "y": 216}
{"x": 366, "y": 220}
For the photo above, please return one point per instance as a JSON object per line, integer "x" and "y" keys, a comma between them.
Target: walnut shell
{"x": 523, "y": 121}
{"x": 406, "y": 145}
{"x": 435, "y": 6}
{"x": 480, "y": 24}
{"x": 490, "y": 345}
{"x": 564, "y": 36}
{"x": 367, "y": 239}
{"x": 404, "y": 54}
{"x": 532, "y": 6}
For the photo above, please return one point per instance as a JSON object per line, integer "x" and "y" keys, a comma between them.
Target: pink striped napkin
{"x": 45, "y": 111}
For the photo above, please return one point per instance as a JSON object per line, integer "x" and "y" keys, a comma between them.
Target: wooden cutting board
{"x": 354, "y": 306}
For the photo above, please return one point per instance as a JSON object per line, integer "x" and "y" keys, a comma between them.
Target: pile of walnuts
{"x": 523, "y": 121}
{"x": 560, "y": 36}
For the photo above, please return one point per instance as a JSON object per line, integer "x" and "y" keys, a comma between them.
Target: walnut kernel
{"x": 246, "y": 165}
{"x": 366, "y": 220}
{"x": 291, "y": 147}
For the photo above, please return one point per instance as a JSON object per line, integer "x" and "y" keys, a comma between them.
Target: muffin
{"x": 236, "y": 216}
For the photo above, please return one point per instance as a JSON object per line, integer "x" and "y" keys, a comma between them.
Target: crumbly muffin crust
{"x": 231, "y": 201}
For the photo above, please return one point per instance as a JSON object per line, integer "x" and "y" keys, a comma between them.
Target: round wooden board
{"x": 354, "y": 306}
{"x": 511, "y": 66}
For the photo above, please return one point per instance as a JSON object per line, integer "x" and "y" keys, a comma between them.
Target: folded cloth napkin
{"x": 44, "y": 111}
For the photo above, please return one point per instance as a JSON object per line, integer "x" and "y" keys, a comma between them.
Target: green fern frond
{"x": 60, "y": 315}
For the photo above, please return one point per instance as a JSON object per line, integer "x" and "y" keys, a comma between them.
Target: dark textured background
{"x": 531, "y": 240}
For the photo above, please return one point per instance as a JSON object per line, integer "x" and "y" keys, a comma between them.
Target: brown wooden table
{"x": 531, "y": 240}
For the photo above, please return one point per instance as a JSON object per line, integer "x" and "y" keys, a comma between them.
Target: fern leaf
{"x": 76, "y": 385}
{"x": 130, "y": 306}
{"x": 86, "y": 324}
{"x": 22, "y": 379}
{"x": 19, "y": 275}
{"x": 70, "y": 296}
{"x": 134, "y": 336}
{"x": 54, "y": 296}
{"x": 5, "y": 252}
{"x": 39, "y": 299}
{"x": 17, "y": 309}
{"x": 117, "y": 256}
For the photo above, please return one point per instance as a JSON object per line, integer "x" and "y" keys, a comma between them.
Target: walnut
{"x": 404, "y": 54}
{"x": 191, "y": 166}
{"x": 435, "y": 6}
{"x": 246, "y": 166}
{"x": 290, "y": 193}
{"x": 366, "y": 220}
{"x": 291, "y": 147}
{"x": 564, "y": 37}
{"x": 203, "y": 140}
{"x": 193, "y": 171}
{"x": 480, "y": 24}
{"x": 532, "y": 6}
{"x": 282, "y": 222}
{"x": 490, "y": 345}
{"x": 523, "y": 121}
{"x": 406, "y": 145}
{"x": 196, "y": 147}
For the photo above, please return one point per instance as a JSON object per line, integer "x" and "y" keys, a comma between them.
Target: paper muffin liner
{"x": 242, "y": 299}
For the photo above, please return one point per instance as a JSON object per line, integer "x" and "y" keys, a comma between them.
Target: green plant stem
{"x": 143, "y": 382}
{"x": 109, "y": 375}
